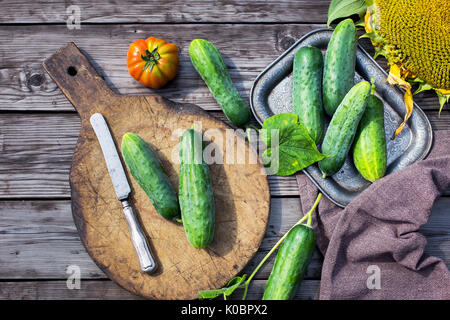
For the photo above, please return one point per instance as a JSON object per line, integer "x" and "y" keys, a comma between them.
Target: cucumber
{"x": 342, "y": 128}
{"x": 210, "y": 65}
{"x": 307, "y": 91}
{"x": 148, "y": 171}
{"x": 369, "y": 149}
{"x": 339, "y": 68}
{"x": 291, "y": 263}
{"x": 195, "y": 191}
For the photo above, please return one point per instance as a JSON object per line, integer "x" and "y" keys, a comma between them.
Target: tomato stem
{"x": 150, "y": 58}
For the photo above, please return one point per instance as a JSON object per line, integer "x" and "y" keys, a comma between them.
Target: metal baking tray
{"x": 271, "y": 93}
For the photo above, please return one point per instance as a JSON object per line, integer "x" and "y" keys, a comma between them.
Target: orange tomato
{"x": 153, "y": 62}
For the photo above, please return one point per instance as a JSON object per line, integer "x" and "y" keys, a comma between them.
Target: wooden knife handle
{"x": 79, "y": 81}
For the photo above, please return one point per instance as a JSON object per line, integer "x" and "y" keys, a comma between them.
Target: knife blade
{"x": 112, "y": 159}
{"x": 123, "y": 190}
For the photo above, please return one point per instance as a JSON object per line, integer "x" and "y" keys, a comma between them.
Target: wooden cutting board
{"x": 241, "y": 191}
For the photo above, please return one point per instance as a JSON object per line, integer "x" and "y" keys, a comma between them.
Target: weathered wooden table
{"x": 39, "y": 127}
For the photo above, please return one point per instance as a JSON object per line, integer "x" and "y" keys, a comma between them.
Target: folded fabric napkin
{"x": 372, "y": 249}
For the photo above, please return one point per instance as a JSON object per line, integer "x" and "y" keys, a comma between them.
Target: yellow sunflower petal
{"x": 397, "y": 77}
{"x": 409, "y": 108}
{"x": 367, "y": 24}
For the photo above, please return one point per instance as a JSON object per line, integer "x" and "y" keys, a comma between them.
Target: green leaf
{"x": 443, "y": 99}
{"x": 232, "y": 285}
{"x": 340, "y": 9}
{"x": 210, "y": 294}
{"x": 295, "y": 148}
{"x": 422, "y": 85}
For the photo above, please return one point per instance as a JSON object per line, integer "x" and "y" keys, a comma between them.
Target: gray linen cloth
{"x": 372, "y": 249}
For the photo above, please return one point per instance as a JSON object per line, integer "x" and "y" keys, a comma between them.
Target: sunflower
{"x": 414, "y": 37}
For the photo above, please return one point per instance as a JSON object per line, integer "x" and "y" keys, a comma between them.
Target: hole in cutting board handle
{"x": 72, "y": 71}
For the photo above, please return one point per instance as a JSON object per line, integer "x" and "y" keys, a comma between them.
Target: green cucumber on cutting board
{"x": 146, "y": 168}
{"x": 195, "y": 191}
{"x": 339, "y": 67}
{"x": 99, "y": 217}
{"x": 209, "y": 63}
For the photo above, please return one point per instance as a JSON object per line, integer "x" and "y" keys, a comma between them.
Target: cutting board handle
{"x": 78, "y": 80}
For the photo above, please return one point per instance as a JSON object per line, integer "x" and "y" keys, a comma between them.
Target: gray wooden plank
{"x": 58, "y": 290}
{"x": 23, "y": 170}
{"x": 108, "y": 290}
{"x": 37, "y": 149}
{"x": 153, "y": 11}
{"x": 44, "y": 256}
{"x": 39, "y": 241}
{"x": 26, "y": 86}
{"x": 309, "y": 290}
{"x": 247, "y": 50}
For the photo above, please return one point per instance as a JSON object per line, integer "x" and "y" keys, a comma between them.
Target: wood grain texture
{"x": 48, "y": 242}
{"x": 25, "y": 86}
{"x": 241, "y": 191}
{"x": 108, "y": 290}
{"x": 57, "y": 290}
{"x": 153, "y": 11}
{"x": 37, "y": 149}
{"x": 38, "y": 239}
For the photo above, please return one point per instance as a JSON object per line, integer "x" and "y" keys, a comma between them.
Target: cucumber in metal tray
{"x": 339, "y": 68}
{"x": 307, "y": 91}
{"x": 342, "y": 129}
{"x": 369, "y": 149}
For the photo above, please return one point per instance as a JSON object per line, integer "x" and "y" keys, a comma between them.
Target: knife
{"x": 123, "y": 190}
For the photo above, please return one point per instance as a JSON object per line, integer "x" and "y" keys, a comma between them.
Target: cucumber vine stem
{"x": 238, "y": 282}
{"x": 372, "y": 86}
{"x": 247, "y": 130}
{"x": 306, "y": 216}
